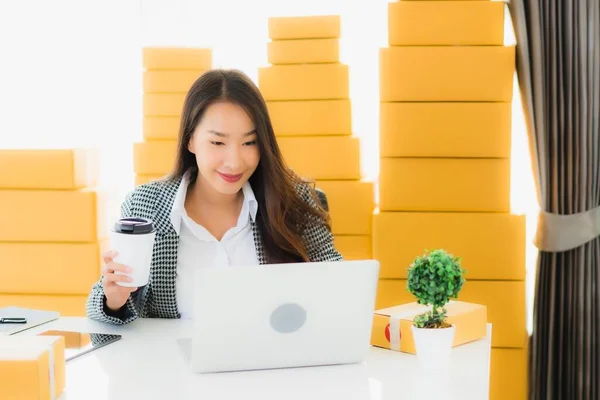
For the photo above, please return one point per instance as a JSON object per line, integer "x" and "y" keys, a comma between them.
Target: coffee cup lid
{"x": 134, "y": 226}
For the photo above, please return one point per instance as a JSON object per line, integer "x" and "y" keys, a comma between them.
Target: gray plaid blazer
{"x": 157, "y": 299}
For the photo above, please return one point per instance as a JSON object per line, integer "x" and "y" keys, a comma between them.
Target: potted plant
{"x": 434, "y": 278}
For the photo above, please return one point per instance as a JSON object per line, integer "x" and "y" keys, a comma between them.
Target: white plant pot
{"x": 433, "y": 346}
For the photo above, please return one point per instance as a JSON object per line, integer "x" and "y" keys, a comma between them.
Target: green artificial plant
{"x": 434, "y": 278}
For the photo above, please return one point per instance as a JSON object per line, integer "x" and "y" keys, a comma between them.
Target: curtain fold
{"x": 558, "y": 67}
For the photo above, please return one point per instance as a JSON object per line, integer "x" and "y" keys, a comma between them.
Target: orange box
{"x": 508, "y": 374}
{"x": 491, "y": 245}
{"x": 50, "y": 268}
{"x": 470, "y": 321}
{"x": 163, "y": 104}
{"x": 311, "y": 118}
{"x": 446, "y": 73}
{"x": 170, "y": 81}
{"x": 323, "y": 157}
{"x": 505, "y": 302}
{"x": 176, "y": 58}
{"x": 142, "y": 179}
{"x": 449, "y": 23}
{"x": 161, "y": 128}
{"x": 48, "y": 169}
{"x": 73, "y": 340}
{"x": 303, "y": 51}
{"x": 350, "y": 217}
{"x": 32, "y": 367}
{"x": 52, "y": 216}
{"x": 305, "y": 27}
{"x": 66, "y": 305}
{"x": 304, "y": 82}
{"x": 353, "y": 247}
{"x": 445, "y": 184}
{"x": 478, "y": 130}
{"x": 154, "y": 158}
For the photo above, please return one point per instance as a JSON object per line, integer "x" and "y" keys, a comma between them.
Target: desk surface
{"x": 148, "y": 363}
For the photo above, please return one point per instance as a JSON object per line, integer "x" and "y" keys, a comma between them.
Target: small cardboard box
{"x": 392, "y": 326}
{"x": 32, "y": 367}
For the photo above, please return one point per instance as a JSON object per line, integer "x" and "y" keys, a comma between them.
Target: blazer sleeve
{"x": 318, "y": 236}
{"x": 96, "y": 308}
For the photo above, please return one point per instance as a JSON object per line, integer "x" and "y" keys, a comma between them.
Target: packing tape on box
{"x": 395, "y": 328}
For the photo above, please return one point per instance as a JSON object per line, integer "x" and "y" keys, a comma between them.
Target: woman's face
{"x": 226, "y": 148}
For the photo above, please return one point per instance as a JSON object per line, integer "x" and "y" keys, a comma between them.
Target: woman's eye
{"x": 218, "y": 143}
{"x": 252, "y": 143}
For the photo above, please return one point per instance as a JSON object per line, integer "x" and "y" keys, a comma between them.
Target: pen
{"x": 13, "y": 320}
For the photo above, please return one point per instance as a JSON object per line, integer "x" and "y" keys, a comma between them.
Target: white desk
{"x": 148, "y": 363}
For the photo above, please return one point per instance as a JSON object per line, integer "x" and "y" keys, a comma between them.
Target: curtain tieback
{"x": 556, "y": 232}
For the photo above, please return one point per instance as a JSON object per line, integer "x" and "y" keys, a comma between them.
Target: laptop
{"x": 33, "y": 317}
{"x": 283, "y": 315}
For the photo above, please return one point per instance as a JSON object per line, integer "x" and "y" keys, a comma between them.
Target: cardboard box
{"x": 395, "y": 322}
{"x": 491, "y": 245}
{"x": 48, "y": 169}
{"x": 324, "y": 157}
{"x": 311, "y": 118}
{"x": 303, "y": 51}
{"x": 176, "y": 58}
{"x": 350, "y": 217}
{"x": 304, "y": 82}
{"x": 446, "y": 23}
{"x": 508, "y": 374}
{"x": 161, "y": 128}
{"x": 170, "y": 81}
{"x": 459, "y": 130}
{"x": 163, "y": 104}
{"x": 32, "y": 367}
{"x": 73, "y": 340}
{"x": 446, "y": 73}
{"x": 305, "y": 27}
{"x": 52, "y": 216}
{"x": 142, "y": 179}
{"x": 154, "y": 158}
{"x": 50, "y": 268}
{"x": 505, "y": 302}
{"x": 354, "y": 247}
{"x": 445, "y": 184}
{"x": 66, "y": 305}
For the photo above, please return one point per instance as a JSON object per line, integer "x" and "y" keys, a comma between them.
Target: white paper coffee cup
{"x": 133, "y": 240}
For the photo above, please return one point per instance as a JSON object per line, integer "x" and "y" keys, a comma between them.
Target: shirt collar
{"x": 249, "y": 207}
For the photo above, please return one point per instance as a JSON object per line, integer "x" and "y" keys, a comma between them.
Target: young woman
{"x": 230, "y": 200}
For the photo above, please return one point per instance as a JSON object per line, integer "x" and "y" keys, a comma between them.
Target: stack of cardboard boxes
{"x": 307, "y": 92}
{"x": 446, "y": 87}
{"x": 52, "y": 229}
{"x": 168, "y": 75}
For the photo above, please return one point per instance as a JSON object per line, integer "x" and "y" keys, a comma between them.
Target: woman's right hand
{"x": 116, "y": 295}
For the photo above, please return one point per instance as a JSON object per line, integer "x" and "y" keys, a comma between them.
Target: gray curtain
{"x": 558, "y": 63}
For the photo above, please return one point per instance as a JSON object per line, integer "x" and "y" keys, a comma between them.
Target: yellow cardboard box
{"x": 446, "y": 73}
{"x": 303, "y": 51}
{"x": 353, "y": 247}
{"x": 479, "y": 130}
{"x": 448, "y": 23}
{"x": 52, "y": 216}
{"x": 73, "y": 340}
{"x": 491, "y": 245}
{"x": 154, "y": 158}
{"x": 392, "y": 326}
{"x": 176, "y": 58}
{"x": 304, "y": 82}
{"x": 170, "y": 81}
{"x": 311, "y": 118}
{"x": 32, "y": 367}
{"x": 66, "y": 305}
{"x": 505, "y": 302}
{"x": 142, "y": 179}
{"x": 163, "y": 104}
{"x": 445, "y": 184}
{"x": 305, "y": 27}
{"x": 48, "y": 169}
{"x": 161, "y": 128}
{"x": 323, "y": 157}
{"x": 508, "y": 374}
{"x": 50, "y": 268}
{"x": 350, "y": 217}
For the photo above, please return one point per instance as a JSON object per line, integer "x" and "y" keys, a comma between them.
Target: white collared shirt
{"x": 198, "y": 248}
